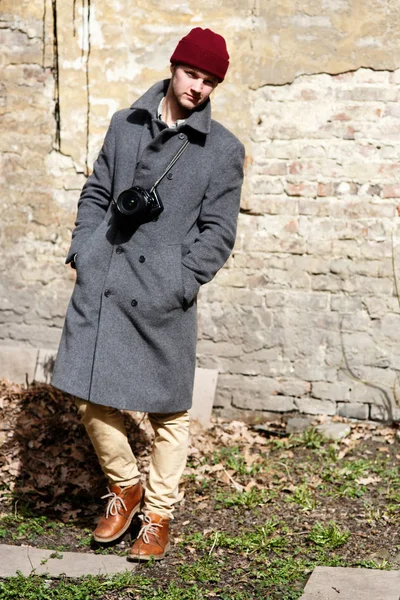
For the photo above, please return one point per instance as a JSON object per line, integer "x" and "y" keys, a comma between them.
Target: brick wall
{"x": 306, "y": 316}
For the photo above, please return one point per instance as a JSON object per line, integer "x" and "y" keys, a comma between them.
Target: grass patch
{"x": 328, "y": 535}
{"x": 304, "y": 497}
{"x": 232, "y": 458}
{"x": 251, "y": 499}
{"x": 28, "y": 527}
{"x": 204, "y": 570}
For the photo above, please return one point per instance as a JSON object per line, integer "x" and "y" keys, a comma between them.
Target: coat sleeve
{"x": 217, "y": 222}
{"x": 96, "y": 195}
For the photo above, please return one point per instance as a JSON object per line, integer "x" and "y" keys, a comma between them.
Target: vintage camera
{"x": 138, "y": 205}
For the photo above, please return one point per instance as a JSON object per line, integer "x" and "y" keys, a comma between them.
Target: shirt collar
{"x": 178, "y": 122}
{"x": 199, "y": 119}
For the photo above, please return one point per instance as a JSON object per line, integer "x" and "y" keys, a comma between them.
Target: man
{"x": 129, "y": 340}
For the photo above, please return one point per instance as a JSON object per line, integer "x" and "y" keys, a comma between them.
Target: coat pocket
{"x": 161, "y": 278}
{"x": 176, "y": 257}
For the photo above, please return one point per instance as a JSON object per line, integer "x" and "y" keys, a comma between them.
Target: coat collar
{"x": 199, "y": 119}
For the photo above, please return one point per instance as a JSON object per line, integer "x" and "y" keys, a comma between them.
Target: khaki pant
{"x": 107, "y": 433}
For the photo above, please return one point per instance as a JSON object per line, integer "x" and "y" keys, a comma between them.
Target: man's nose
{"x": 197, "y": 85}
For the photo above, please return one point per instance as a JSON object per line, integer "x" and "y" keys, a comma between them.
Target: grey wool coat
{"x": 129, "y": 339}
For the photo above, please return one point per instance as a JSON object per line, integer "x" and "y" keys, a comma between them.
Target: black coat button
{"x": 134, "y": 303}
{"x": 169, "y": 176}
{"x": 119, "y": 250}
{"x": 142, "y": 258}
{"x": 107, "y": 293}
{"x": 182, "y": 136}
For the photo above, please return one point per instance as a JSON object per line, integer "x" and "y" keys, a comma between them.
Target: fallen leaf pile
{"x": 45, "y": 455}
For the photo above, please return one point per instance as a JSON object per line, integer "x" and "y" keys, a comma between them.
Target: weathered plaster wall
{"x": 309, "y": 292}
{"x": 313, "y": 314}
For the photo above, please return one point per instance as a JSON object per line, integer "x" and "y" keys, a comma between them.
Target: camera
{"x": 138, "y": 204}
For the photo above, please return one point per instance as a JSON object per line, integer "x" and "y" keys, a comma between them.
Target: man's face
{"x": 191, "y": 87}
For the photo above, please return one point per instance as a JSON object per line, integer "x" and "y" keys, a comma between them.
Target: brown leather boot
{"x": 122, "y": 505}
{"x": 152, "y": 541}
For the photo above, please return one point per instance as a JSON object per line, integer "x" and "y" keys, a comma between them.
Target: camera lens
{"x": 128, "y": 203}
{"x": 131, "y": 202}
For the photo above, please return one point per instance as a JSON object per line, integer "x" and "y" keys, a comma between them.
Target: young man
{"x": 141, "y": 255}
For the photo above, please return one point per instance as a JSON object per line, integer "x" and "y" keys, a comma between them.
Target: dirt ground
{"x": 259, "y": 510}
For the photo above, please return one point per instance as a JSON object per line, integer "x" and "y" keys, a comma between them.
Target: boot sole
{"x": 121, "y": 532}
{"x": 133, "y": 557}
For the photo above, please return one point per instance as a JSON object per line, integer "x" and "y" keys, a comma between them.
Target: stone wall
{"x": 304, "y": 316}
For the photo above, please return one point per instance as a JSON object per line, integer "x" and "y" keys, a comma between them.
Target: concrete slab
{"x": 20, "y": 364}
{"x": 27, "y": 560}
{"x": 298, "y": 424}
{"x": 342, "y": 583}
{"x": 205, "y": 385}
{"x": 17, "y": 363}
{"x": 334, "y": 431}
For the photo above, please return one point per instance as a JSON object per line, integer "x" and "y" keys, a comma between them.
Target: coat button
{"x": 142, "y": 258}
{"x": 169, "y": 176}
{"x": 107, "y": 293}
{"x": 119, "y": 250}
{"x": 182, "y": 136}
{"x": 134, "y": 303}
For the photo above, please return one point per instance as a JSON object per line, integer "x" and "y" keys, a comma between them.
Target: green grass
{"x": 204, "y": 570}
{"x": 310, "y": 438}
{"x": 251, "y": 499}
{"x": 232, "y": 458}
{"x": 41, "y": 588}
{"x": 328, "y": 535}
{"x": 253, "y": 541}
{"x": 304, "y": 497}
{"x": 85, "y": 539}
{"x": 24, "y": 525}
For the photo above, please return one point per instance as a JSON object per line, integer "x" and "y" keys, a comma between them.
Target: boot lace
{"x": 112, "y": 506}
{"x": 149, "y": 528}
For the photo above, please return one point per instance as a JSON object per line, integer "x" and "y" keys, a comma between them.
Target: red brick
{"x": 273, "y": 168}
{"x": 308, "y": 95}
{"x": 291, "y": 227}
{"x": 341, "y": 117}
{"x": 391, "y": 191}
{"x": 296, "y": 168}
{"x": 325, "y": 189}
{"x": 301, "y": 189}
{"x": 349, "y": 134}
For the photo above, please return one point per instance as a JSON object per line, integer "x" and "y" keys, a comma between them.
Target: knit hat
{"x": 205, "y": 50}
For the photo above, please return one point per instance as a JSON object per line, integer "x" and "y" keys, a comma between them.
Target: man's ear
{"x": 172, "y": 68}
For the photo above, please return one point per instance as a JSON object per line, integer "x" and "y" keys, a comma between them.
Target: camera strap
{"x": 171, "y": 164}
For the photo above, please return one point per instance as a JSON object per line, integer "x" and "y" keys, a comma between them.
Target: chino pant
{"x": 107, "y": 433}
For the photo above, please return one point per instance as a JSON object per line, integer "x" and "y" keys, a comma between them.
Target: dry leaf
{"x": 252, "y": 483}
{"x": 199, "y": 499}
{"x": 289, "y": 488}
{"x": 215, "y": 468}
{"x": 314, "y": 481}
{"x": 368, "y": 480}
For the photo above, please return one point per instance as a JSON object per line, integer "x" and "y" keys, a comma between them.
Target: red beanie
{"x": 204, "y": 50}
